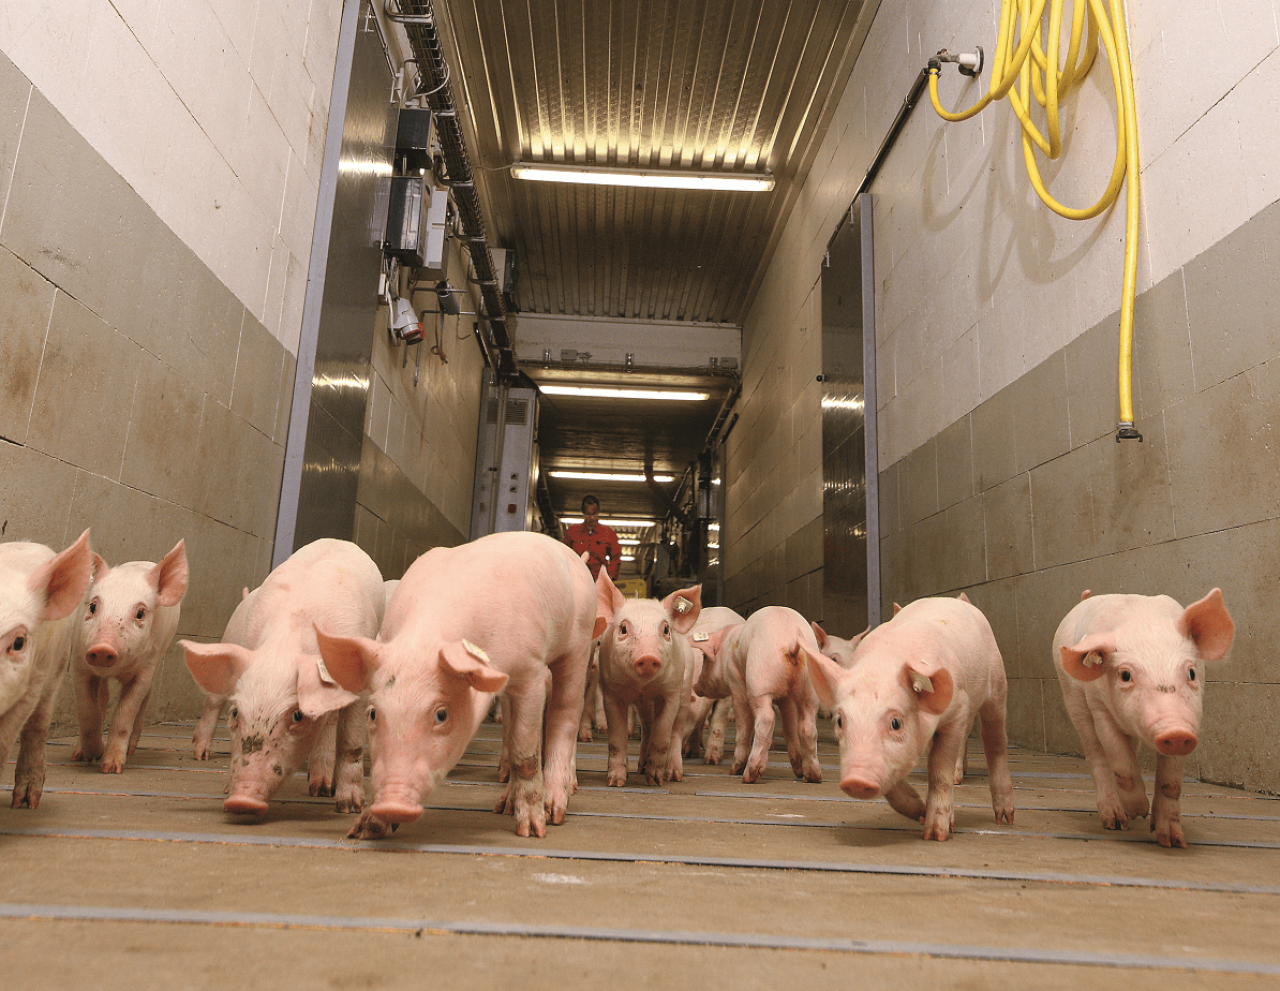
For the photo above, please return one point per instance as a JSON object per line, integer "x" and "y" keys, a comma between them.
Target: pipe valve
{"x": 969, "y": 63}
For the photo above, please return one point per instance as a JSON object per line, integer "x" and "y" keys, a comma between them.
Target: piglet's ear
{"x": 216, "y": 667}
{"x": 467, "y": 661}
{"x": 683, "y": 607}
{"x": 169, "y": 576}
{"x": 318, "y": 691}
{"x": 62, "y": 581}
{"x": 350, "y": 661}
{"x": 1086, "y": 661}
{"x": 933, "y": 687}
{"x": 608, "y": 600}
{"x": 821, "y": 634}
{"x": 718, "y": 640}
{"x": 1208, "y": 623}
{"x": 825, "y": 675}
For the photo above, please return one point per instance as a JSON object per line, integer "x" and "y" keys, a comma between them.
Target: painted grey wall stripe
{"x": 652, "y": 936}
{"x": 536, "y": 852}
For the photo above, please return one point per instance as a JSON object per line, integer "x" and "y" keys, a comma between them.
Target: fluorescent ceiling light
{"x": 592, "y": 392}
{"x": 650, "y": 178}
{"x": 628, "y": 542}
{"x": 570, "y": 520}
{"x": 605, "y": 476}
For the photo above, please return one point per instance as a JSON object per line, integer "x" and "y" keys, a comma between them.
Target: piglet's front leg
{"x": 369, "y": 827}
{"x": 349, "y": 761}
{"x": 320, "y": 766}
{"x": 522, "y": 735}
{"x": 903, "y": 798}
{"x": 1166, "y": 810}
{"x": 615, "y": 711}
{"x": 126, "y": 721}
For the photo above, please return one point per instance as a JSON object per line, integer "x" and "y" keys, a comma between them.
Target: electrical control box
{"x": 435, "y": 260}
{"x": 506, "y": 479}
{"x": 413, "y": 141}
{"x": 407, "y": 220}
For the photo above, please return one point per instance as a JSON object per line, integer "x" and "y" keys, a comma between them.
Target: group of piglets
{"x": 912, "y": 689}
{"x": 71, "y": 609}
{"x": 513, "y": 613}
{"x": 325, "y": 654}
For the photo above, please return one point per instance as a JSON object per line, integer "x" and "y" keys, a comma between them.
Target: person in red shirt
{"x": 598, "y": 540}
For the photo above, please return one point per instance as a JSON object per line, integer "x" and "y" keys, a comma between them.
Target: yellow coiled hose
{"x": 1026, "y": 62}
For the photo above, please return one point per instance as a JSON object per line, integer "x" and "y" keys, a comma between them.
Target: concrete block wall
{"x": 996, "y": 346}
{"x": 772, "y": 535}
{"x": 141, "y": 397}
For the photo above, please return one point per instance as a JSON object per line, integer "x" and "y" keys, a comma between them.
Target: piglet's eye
{"x": 895, "y": 724}
{"x": 373, "y": 715}
{"x": 297, "y": 715}
{"x": 19, "y": 643}
{"x": 839, "y": 721}
{"x": 622, "y": 629}
{"x": 1191, "y": 674}
{"x": 1126, "y": 676}
{"x": 93, "y": 608}
{"x": 141, "y": 613}
{"x": 441, "y": 716}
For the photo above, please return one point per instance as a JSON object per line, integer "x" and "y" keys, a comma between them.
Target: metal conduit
{"x": 419, "y": 21}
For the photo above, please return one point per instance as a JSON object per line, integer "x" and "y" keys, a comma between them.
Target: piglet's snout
{"x": 102, "y": 655}
{"x": 857, "y": 786}
{"x": 646, "y": 664}
{"x": 245, "y": 804}
{"x": 395, "y": 808}
{"x": 1176, "y": 743}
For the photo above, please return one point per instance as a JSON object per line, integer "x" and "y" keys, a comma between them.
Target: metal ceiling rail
{"x": 419, "y": 21}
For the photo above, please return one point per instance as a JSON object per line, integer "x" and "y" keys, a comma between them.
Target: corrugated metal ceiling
{"x": 739, "y": 86}
{"x": 705, "y": 85}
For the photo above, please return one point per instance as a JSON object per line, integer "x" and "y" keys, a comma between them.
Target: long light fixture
{"x": 606, "y": 476}
{"x": 648, "y": 178}
{"x": 593, "y": 392}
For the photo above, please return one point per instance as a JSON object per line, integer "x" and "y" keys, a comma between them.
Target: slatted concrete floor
{"x": 141, "y": 881}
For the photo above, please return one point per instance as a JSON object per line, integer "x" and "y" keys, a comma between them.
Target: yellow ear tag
{"x": 683, "y": 606}
{"x": 702, "y": 636}
{"x": 919, "y": 683}
{"x": 1092, "y": 659}
{"x": 476, "y": 652}
{"x": 325, "y": 676}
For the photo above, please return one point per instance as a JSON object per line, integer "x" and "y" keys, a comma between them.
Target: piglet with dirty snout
{"x": 646, "y": 661}
{"x": 466, "y": 622}
{"x": 758, "y": 663}
{"x": 127, "y": 625}
{"x": 40, "y": 593}
{"x": 914, "y": 688}
{"x": 285, "y": 708}
{"x": 1131, "y": 672}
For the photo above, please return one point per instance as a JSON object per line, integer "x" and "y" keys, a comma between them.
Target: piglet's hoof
{"x": 370, "y": 827}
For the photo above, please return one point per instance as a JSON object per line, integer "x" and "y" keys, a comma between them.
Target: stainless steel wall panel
{"x": 331, "y": 391}
{"x": 850, "y": 582}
